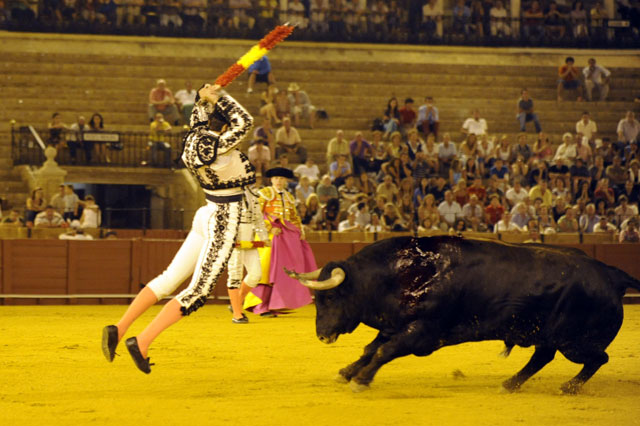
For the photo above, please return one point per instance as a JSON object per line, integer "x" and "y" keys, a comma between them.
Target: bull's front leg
{"x": 413, "y": 340}
{"x": 345, "y": 374}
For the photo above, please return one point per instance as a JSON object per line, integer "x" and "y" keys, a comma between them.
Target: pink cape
{"x": 287, "y": 250}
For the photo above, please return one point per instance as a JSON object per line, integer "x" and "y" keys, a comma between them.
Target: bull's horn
{"x": 305, "y": 275}
{"x": 337, "y": 276}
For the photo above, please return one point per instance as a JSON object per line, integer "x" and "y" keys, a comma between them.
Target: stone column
{"x": 50, "y": 176}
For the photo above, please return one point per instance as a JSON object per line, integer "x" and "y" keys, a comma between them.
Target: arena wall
{"x": 112, "y": 271}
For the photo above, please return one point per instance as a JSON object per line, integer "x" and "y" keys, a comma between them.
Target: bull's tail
{"x": 623, "y": 279}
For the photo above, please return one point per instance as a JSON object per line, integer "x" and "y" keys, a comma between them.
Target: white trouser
{"x": 602, "y": 88}
{"x": 204, "y": 254}
{"x": 241, "y": 259}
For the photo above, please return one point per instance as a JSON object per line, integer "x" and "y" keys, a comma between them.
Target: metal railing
{"x": 340, "y": 25}
{"x": 133, "y": 149}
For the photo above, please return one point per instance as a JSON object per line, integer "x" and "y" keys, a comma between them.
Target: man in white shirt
{"x": 596, "y": 76}
{"x": 475, "y": 125}
{"x": 449, "y": 209}
{"x": 603, "y": 226}
{"x": 288, "y": 140}
{"x": 308, "y": 169}
{"x": 186, "y": 98}
{"x": 349, "y": 224}
{"x": 517, "y": 193}
{"x": 587, "y": 127}
{"x": 567, "y": 149}
{"x": 473, "y": 211}
{"x": 505, "y": 224}
{"x": 628, "y": 128}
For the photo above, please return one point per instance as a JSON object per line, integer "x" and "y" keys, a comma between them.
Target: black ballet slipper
{"x": 141, "y": 362}
{"x": 109, "y": 342}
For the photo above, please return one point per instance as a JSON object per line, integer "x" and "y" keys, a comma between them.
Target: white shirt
{"x": 597, "y": 74}
{"x": 428, "y": 10}
{"x": 450, "y": 212}
{"x": 598, "y": 228}
{"x": 588, "y": 129}
{"x": 477, "y": 127}
{"x": 515, "y": 197}
{"x": 311, "y": 172}
{"x": 501, "y": 227}
{"x": 567, "y": 152}
{"x": 344, "y": 225}
{"x": 186, "y": 98}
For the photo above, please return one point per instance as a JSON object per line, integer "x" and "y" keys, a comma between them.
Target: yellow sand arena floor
{"x": 275, "y": 372}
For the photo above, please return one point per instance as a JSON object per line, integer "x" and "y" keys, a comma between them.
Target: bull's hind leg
{"x": 351, "y": 370}
{"x": 541, "y": 357}
{"x": 592, "y": 363}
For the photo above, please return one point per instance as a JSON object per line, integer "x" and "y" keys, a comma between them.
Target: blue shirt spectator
{"x": 262, "y": 66}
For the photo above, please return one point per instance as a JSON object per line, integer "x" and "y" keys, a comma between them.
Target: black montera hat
{"x": 279, "y": 171}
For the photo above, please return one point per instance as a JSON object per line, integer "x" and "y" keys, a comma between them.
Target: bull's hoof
{"x": 510, "y": 386}
{"x": 570, "y": 388}
{"x": 341, "y": 379}
{"x": 357, "y": 387}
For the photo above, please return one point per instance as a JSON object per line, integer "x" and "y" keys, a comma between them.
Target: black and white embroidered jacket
{"x": 214, "y": 158}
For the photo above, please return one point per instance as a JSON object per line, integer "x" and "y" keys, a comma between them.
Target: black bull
{"x": 426, "y": 293}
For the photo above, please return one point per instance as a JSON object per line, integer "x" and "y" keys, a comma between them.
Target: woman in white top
{"x": 503, "y": 150}
{"x": 91, "y": 215}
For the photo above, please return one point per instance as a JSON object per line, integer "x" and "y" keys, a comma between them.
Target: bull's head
{"x": 333, "y": 299}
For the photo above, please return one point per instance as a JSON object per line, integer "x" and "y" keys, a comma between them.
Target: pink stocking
{"x": 236, "y": 302}
{"x": 143, "y": 301}
{"x": 168, "y": 316}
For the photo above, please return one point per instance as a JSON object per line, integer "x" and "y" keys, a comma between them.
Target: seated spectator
{"x": 391, "y": 220}
{"x": 583, "y": 150}
{"x": 447, "y": 152}
{"x": 185, "y": 99}
{"x": 461, "y": 17}
{"x": 312, "y": 204}
{"x": 308, "y": 169}
{"x": 526, "y": 111}
{"x": 35, "y": 205}
{"x": 171, "y": 14}
{"x": 363, "y": 217}
{"x": 460, "y": 193}
{"x": 328, "y": 219}
{"x": 57, "y": 201}
{"x": 559, "y": 208}
{"x": 634, "y": 171}
{"x": 630, "y": 234}
{"x": 494, "y": 211}
{"x": 477, "y": 22}
{"x": 500, "y": 171}
{"x": 432, "y": 19}
{"x": 449, "y": 209}
{"x": 499, "y": 20}
{"x": 361, "y": 153}
{"x": 569, "y": 75}
{"x": 408, "y": 116}
{"x": 388, "y": 189}
{"x": 521, "y": 216}
{"x": 75, "y": 139}
{"x": 468, "y": 148}
{"x": 559, "y": 189}
{"x": 473, "y": 212}
{"x": 603, "y": 191}
{"x": 259, "y": 152}
{"x": 395, "y": 147}
{"x": 303, "y": 189}
{"x": 568, "y": 222}
{"x": 429, "y": 210}
{"x": 603, "y": 226}
{"x": 566, "y": 150}
{"x": 319, "y": 12}
{"x": 532, "y": 21}
{"x": 632, "y": 192}
{"x": 339, "y": 170}
{"x": 587, "y": 127}
{"x": 546, "y": 222}
{"x": 241, "y": 14}
{"x": 534, "y": 234}
{"x": 431, "y": 152}
{"x": 75, "y": 232}
{"x": 260, "y": 71}
{"x": 301, "y": 103}
{"x": 71, "y": 203}
{"x": 326, "y": 190}
{"x": 161, "y": 101}
{"x": 560, "y": 170}
{"x": 375, "y": 225}
{"x": 49, "y": 218}
{"x": 391, "y": 117}
{"x": 365, "y": 185}
{"x": 542, "y": 149}
{"x": 541, "y": 190}
{"x": 589, "y": 219}
{"x": 414, "y": 144}
{"x": 478, "y": 189}
{"x": 555, "y": 23}
{"x": 596, "y": 76}
{"x": 288, "y": 140}
{"x": 519, "y": 169}
{"x": 160, "y": 148}
{"x": 438, "y": 187}
{"x": 516, "y": 194}
{"x": 506, "y": 225}
{"x": 337, "y": 145}
{"x": 348, "y": 192}
{"x": 428, "y": 117}
{"x": 625, "y": 210}
{"x": 13, "y": 219}
{"x": 350, "y": 224}
{"x": 421, "y": 190}
{"x": 628, "y": 129}
{"x": 428, "y": 225}
{"x": 407, "y": 211}
{"x": 616, "y": 173}
{"x": 474, "y": 124}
